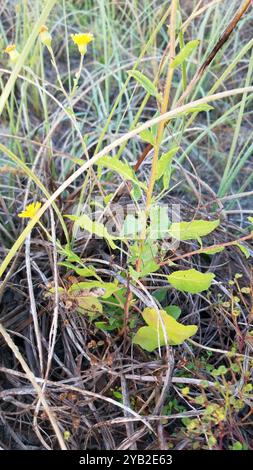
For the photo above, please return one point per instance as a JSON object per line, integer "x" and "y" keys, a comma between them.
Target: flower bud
{"x": 45, "y": 36}
{"x": 13, "y": 53}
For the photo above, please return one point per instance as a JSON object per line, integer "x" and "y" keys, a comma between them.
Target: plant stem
{"x": 165, "y": 104}
{"x": 161, "y": 126}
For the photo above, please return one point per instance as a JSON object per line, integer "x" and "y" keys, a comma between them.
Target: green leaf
{"x": 191, "y": 281}
{"x": 104, "y": 326}
{"x": 243, "y": 249}
{"x": 102, "y": 289}
{"x": 185, "y": 53}
{"x": 93, "y": 227}
{"x": 152, "y": 336}
{"x": 174, "y": 311}
{"x": 146, "y": 83}
{"x": 164, "y": 162}
{"x": 121, "y": 168}
{"x": 192, "y": 230}
{"x": 147, "y": 136}
{"x": 149, "y": 268}
{"x": 160, "y": 294}
{"x": 197, "y": 109}
{"x": 85, "y": 271}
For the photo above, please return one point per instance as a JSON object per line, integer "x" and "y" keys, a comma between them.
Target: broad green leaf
{"x": 243, "y": 249}
{"x": 91, "y": 226}
{"x": 102, "y": 289}
{"x": 146, "y": 83}
{"x": 147, "y": 338}
{"x": 152, "y": 336}
{"x": 185, "y": 53}
{"x": 192, "y": 230}
{"x": 121, "y": 168}
{"x": 164, "y": 162}
{"x": 191, "y": 281}
{"x": 213, "y": 251}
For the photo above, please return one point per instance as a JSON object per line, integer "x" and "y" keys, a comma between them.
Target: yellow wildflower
{"x": 30, "y": 210}
{"x": 45, "y": 36}
{"x": 82, "y": 40}
{"x": 13, "y": 53}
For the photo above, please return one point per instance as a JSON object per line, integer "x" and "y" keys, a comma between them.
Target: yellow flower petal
{"x": 10, "y": 48}
{"x": 82, "y": 40}
{"x": 30, "y": 210}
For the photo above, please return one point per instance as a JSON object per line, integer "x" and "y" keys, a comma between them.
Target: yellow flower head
{"x": 30, "y": 210}
{"x": 45, "y": 36}
{"x": 82, "y": 40}
{"x": 12, "y": 51}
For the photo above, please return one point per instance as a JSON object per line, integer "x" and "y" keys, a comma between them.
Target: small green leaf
{"x": 152, "y": 336}
{"x": 174, "y": 311}
{"x": 146, "y": 83}
{"x": 197, "y": 109}
{"x": 185, "y": 53}
{"x": 191, "y": 281}
{"x": 243, "y": 249}
{"x": 164, "y": 162}
{"x": 147, "y": 136}
{"x": 192, "y": 230}
{"x": 85, "y": 272}
{"x": 237, "y": 446}
{"x": 160, "y": 294}
{"x": 121, "y": 168}
{"x": 93, "y": 227}
{"x": 104, "y": 326}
